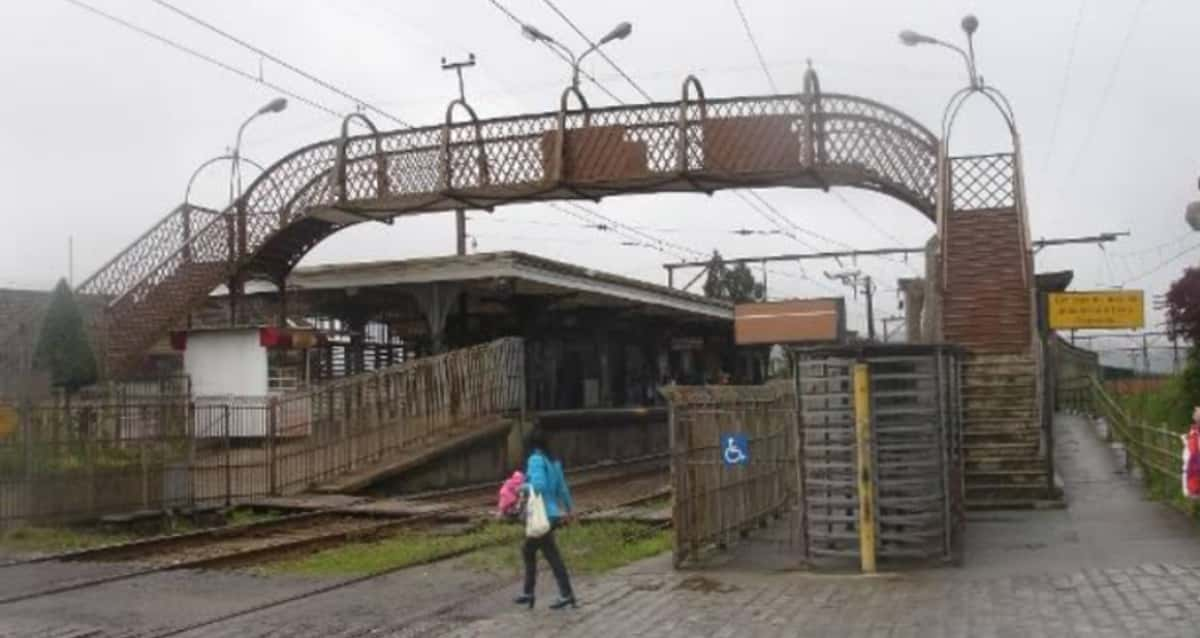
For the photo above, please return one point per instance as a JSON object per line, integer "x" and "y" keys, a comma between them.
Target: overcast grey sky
{"x": 101, "y": 127}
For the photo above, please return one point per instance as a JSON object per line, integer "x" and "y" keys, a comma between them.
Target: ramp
{"x": 405, "y": 460}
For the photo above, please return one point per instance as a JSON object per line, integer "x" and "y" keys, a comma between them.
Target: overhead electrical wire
{"x": 754, "y": 42}
{"x": 283, "y": 63}
{"x": 775, "y": 89}
{"x": 782, "y": 222}
{"x": 205, "y": 57}
{"x": 512, "y": 16}
{"x": 637, "y": 87}
{"x": 1108, "y": 87}
{"x": 516, "y": 20}
{"x": 1062, "y": 91}
{"x": 1161, "y": 265}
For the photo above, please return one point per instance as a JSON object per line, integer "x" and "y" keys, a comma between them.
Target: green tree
{"x": 1174, "y": 403}
{"x": 735, "y": 284}
{"x": 63, "y": 349}
{"x": 1183, "y": 306}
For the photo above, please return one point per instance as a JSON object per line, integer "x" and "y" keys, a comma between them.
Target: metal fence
{"x": 719, "y": 495}
{"x": 880, "y": 452}
{"x": 100, "y": 455}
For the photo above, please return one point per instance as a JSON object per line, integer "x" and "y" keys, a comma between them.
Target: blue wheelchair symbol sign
{"x": 734, "y": 449}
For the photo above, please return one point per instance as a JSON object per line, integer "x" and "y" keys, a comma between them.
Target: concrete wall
{"x": 226, "y": 363}
{"x": 578, "y": 437}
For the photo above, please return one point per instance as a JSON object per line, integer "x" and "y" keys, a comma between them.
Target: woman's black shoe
{"x": 524, "y": 599}
{"x": 563, "y": 602}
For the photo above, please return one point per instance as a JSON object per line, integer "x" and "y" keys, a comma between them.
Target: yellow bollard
{"x": 866, "y": 491}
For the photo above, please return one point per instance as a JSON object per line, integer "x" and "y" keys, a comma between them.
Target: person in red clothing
{"x": 1191, "y": 455}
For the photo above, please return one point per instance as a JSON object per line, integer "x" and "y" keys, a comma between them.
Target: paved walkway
{"x": 1112, "y": 564}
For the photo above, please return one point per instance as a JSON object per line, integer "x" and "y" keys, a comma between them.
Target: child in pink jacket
{"x": 510, "y": 495}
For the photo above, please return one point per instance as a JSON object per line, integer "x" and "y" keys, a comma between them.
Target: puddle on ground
{"x": 705, "y": 585}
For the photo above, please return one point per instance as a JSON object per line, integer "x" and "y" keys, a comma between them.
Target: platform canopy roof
{"x": 502, "y": 275}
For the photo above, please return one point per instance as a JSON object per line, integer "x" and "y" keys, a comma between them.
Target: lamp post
{"x": 235, "y": 174}
{"x": 969, "y": 25}
{"x": 187, "y": 194}
{"x": 1192, "y": 216}
{"x": 619, "y": 32}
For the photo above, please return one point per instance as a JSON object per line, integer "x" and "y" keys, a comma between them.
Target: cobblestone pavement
{"x": 1112, "y": 564}
{"x": 1150, "y": 600}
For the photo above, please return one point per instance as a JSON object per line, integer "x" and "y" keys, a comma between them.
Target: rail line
{"x": 473, "y": 594}
{"x": 309, "y": 531}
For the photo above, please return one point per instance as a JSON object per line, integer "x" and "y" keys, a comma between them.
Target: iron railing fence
{"x": 80, "y": 459}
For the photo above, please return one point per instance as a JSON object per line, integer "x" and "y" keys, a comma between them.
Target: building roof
{"x": 1056, "y": 281}
{"x": 530, "y": 273}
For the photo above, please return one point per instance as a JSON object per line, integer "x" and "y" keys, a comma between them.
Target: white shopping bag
{"x": 537, "y": 524}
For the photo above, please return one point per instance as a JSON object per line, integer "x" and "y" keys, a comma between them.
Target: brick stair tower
{"x": 988, "y": 308}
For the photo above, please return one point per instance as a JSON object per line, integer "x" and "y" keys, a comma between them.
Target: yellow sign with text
{"x": 1097, "y": 309}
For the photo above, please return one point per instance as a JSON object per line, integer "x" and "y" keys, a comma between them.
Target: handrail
{"x": 82, "y": 288}
{"x": 182, "y": 248}
{"x": 275, "y": 195}
{"x": 1137, "y": 447}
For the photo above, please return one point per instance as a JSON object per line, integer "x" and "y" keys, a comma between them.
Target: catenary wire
{"x": 1062, "y": 91}
{"x": 1108, "y": 87}
{"x": 637, "y": 87}
{"x": 762, "y": 62}
{"x": 283, "y": 63}
{"x": 512, "y": 16}
{"x": 202, "y": 56}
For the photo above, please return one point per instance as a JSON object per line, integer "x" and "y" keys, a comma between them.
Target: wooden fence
{"x": 1156, "y": 450}
{"x": 99, "y": 456}
{"x": 715, "y": 500}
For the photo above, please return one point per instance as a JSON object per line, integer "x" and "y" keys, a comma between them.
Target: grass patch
{"x": 405, "y": 548}
{"x": 56, "y": 539}
{"x": 248, "y": 516}
{"x": 588, "y": 548}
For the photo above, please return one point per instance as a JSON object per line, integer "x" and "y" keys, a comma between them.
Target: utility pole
{"x": 1175, "y": 355}
{"x": 869, "y": 289}
{"x": 888, "y": 320}
{"x": 460, "y": 215}
{"x": 1146, "y": 353}
{"x": 851, "y": 278}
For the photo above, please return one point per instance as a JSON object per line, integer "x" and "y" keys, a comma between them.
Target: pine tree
{"x": 736, "y": 284}
{"x": 63, "y": 349}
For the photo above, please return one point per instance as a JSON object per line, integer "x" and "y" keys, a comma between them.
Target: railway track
{"x": 448, "y": 608}
{"x": 609, "y": 486}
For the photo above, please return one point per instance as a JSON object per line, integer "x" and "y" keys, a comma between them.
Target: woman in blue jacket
{"x": 544, "y": 475}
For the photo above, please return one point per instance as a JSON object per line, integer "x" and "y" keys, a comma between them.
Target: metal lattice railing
{"x": 607, "y": 151}
{"x": 806, "y": 140}
{"x": 983, "y": 182}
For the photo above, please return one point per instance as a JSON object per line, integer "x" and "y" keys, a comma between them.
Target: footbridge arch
{"x": 809, "y": 139}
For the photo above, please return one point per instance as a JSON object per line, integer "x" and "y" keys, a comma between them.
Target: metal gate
{"x": 733, "y": 463}
{"x": 880, "y": 452}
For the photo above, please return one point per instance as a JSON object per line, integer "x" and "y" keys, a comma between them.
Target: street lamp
{"x": 1193, "y": 214}
{"x": 969, "y": 25}
{"x": 235, "y": 175}
{"x": 187, "y": 194}
{"x": 619, "y": 32}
